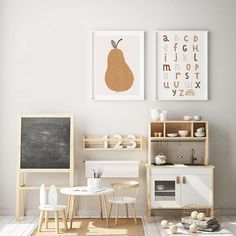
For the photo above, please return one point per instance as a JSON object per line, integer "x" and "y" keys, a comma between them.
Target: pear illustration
{"x": 118, "y": 75}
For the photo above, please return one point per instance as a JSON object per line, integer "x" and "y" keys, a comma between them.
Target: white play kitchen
{"x": 178, "y": 173}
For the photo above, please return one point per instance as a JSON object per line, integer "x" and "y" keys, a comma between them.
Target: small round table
{"x": 83, "y": 191}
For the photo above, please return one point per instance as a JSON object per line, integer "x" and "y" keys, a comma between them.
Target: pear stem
{"x": 118, "y": 42}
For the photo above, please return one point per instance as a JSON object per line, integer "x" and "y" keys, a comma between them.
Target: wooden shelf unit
{"x": 96, "y": 143}
{"x": 166, "y": 127}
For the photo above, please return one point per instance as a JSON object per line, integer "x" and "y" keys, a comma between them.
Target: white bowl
{"x": 199, "y": 134}
{"x": 183, "y": 133}
{"x": 197, "y": 117}
{"x": 172, "y": 135}
{"x": 187, "y": 118}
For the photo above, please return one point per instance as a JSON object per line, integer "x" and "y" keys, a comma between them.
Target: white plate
{"x": 199, "y": 134}
{"x": 172, "y": 135}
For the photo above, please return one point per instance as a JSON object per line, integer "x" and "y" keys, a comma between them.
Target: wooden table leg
{"x": 72, "y": 210}
{"x": 100, "y": 203}
{"x": 127, "y": 210}
{"x": 117, "y": 214}
{"x": 68, "y": 207}
{"x": 105, "y": 206}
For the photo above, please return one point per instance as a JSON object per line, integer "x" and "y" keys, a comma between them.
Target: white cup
{"x": 200, "y": 130}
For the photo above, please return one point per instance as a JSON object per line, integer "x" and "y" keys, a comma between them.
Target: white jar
{"x": 94, "y": 183}
{"x": 155, "y": 114}
{"x": 163, "y": 115}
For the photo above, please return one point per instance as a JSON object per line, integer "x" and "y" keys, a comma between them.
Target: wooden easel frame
{"x": 20, "y": 185}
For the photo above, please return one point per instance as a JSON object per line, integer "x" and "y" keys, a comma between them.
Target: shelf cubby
{"x": 200, "y": 124}
{"x": 173, "y": 127}
{"x": 157, "y": 127}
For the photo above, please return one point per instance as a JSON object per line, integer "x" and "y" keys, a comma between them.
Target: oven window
{"x": 164, "y": 190}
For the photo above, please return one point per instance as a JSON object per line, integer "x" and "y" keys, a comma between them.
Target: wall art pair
{"x": 181, "y": 65}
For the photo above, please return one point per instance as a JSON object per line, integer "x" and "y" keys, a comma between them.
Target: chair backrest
{"x": 52, "y": 196}
{"x": 42, "y": 196}
{"x": 125, "y": 188}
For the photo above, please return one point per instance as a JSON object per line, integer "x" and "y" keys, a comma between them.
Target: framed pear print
{"x": 118, "y": 65}
{"x": 181, "y": 65}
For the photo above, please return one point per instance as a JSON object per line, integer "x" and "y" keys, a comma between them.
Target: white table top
{"x": 83, "y": 191}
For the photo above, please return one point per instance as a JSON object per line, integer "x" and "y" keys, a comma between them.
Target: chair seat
{"x": 122, "y": 200}
{"x": 52, "y": 208}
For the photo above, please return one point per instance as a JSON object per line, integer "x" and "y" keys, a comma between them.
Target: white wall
{"x": 45, "y": 67}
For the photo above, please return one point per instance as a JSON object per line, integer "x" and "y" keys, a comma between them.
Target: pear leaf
{"x": 113, "y": 44}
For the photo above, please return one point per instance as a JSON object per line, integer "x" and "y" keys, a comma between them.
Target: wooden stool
{"x": 44, "y": 210}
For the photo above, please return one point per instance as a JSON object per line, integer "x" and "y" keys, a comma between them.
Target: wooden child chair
{"x": 125, "y": 193}
{"x": 51, "y": 207}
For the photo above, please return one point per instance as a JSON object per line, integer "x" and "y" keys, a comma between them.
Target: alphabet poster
{"x": 181, "y": 65}
{"x": 118, "y": 65}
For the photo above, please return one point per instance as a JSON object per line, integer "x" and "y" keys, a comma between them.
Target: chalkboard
{"x": 45, "y": 143}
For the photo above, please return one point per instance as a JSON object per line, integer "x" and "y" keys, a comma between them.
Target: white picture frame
{"x": 124, "y": 78}
{"x": 176, "y": 84}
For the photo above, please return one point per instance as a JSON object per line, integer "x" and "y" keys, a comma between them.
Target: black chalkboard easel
{"x": 46, "y": 145}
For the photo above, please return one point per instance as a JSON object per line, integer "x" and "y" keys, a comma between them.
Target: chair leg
{"x": 127, "y": 210}
{"x": 57, "y": 222}
{"x": 40, "y": 220}
{"x": 64, "y": 219}
{"x": 117, "y": 212}
{"x": 109, "y": 216}
{"x": 135, "y": 220}
{"x": 46, "y": 219}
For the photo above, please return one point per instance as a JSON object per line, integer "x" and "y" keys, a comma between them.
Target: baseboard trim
{"x": 94, "y": 214}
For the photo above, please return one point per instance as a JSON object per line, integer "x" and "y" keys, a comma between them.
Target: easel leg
{"x": 22, "y": 200}
{"x": 18, "y": 203}
{"x": 19, "y": 196}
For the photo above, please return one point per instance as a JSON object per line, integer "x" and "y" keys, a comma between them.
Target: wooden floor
{"x": 8, "y": 226}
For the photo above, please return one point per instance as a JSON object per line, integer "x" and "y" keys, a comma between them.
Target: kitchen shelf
{"x": 176, "y": 139}
{"x": 109, "y": 143}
